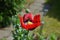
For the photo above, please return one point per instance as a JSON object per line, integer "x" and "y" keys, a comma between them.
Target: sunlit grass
{"x": 51, "y": 26}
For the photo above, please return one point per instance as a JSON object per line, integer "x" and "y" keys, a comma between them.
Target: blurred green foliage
{"x": 9, "y": 8}
{"x": 20, "y": 33}
{"x": 55, "y": 8}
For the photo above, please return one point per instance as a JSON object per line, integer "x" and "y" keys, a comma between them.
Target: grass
{"x": 3, "y": 39}
{"x": 51, "y": 26}
{"x": 52, "y": 20}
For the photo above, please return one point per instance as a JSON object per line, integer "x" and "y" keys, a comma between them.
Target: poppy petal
{"x": 29, "y": 15}
{"x": 36, "y": 22}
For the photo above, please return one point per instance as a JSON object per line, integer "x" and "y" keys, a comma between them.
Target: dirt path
{"x": 6, "y": 33}
{"x": 37, "y": 6}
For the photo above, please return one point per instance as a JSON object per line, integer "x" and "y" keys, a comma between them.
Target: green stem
{"x": 41, "y": 29}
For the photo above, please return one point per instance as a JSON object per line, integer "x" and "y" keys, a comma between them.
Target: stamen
{"x": 29, "y": 22}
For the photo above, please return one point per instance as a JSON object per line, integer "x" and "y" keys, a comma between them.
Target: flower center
{"x": 28, "y": 21}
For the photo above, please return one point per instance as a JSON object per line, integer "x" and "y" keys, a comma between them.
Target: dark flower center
{"x": 28, "y": 21}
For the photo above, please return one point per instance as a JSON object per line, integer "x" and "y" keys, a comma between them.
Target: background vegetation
{"x": 54, "y": 9}
{"x": 9, "y": 8}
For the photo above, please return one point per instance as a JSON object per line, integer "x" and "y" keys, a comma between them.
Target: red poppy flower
{"x": 30, "y": 22}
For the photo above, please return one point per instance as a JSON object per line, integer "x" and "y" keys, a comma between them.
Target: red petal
{"x": 21, "y": 21}
{"x": 36, "y": 23}
{"x": 29, "y": 15}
